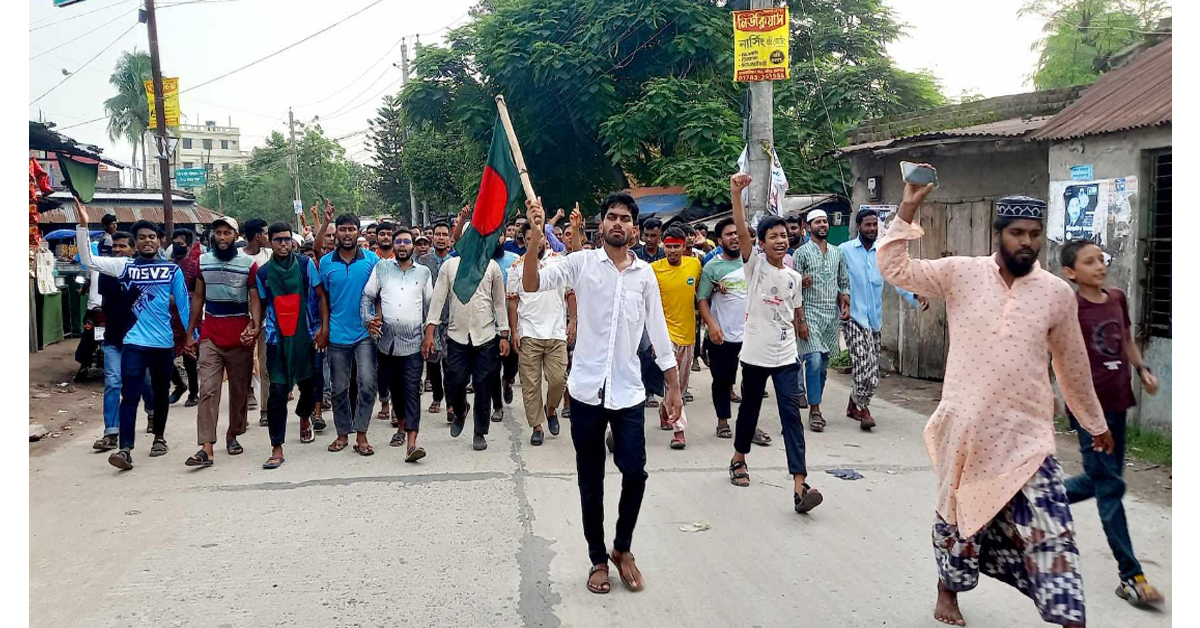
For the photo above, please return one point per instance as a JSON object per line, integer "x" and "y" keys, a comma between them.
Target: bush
{"x": 840, "y": 360}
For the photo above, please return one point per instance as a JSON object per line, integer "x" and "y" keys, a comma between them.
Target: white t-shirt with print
{"x": 772, "y": 296}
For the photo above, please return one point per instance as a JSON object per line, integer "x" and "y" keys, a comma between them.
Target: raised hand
{"x": 80, "y": 212}
{"x": 535, "y": 214}
{"x": 576, "y": 217}
{"x": 739, "y": 182}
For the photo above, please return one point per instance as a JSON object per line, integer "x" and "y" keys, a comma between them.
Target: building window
{"x": 207, "y": 144}
{"x": 224, "y": 167}
{"x": 224, "y": 144}
{"x": 1156, "y": 311}
{"x": 187, "y": 164}
{"x": 187, "y": 143}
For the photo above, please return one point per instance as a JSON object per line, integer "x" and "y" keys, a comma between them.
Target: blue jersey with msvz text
{"x": 150, "y": 285}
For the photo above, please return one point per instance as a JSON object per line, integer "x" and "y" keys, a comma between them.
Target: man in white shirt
{"x": 476, "y": 337}
{"x": 621, "y": 300}
{"x": 774, "y": 314}
{"x": 541, "y": 334}
{"x": 399, "y": 291}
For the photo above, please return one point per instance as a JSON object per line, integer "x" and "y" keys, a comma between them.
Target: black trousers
{"x": 383, "y": 375}
{"x": 434, "y": 370}
{"x": 404, "y": 384}
{"x": 478, "y": 364}
{"x": 191, "y": 366}
{"x": 787, "y": 398}
{"x": 277, "y": 402}
{"x": 507, "y": 372}
{"x": 588, "y": 425}
{"x": 723, "y": 360}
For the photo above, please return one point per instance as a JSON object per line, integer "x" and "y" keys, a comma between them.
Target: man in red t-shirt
{"x": 227, "y": 339}
{"x": 1104, "y": 319}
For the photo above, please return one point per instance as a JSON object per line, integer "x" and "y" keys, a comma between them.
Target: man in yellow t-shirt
{"x": 678, "y": 278}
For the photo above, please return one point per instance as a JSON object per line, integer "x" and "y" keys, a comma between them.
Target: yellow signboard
{"x": 760, "y": 45}
{"x": 171, "y": 104}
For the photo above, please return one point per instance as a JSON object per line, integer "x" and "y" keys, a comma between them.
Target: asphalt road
{"x": 493, "y": 538}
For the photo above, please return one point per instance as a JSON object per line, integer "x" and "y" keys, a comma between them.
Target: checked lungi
{"x": 1029, "y": 544}
{"x": 863, "y": 344}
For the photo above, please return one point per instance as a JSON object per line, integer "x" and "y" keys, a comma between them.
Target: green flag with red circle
{"x": 495, "y": 204}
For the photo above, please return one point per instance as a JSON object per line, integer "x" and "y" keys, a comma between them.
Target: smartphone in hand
{"x": 917, "y": 174}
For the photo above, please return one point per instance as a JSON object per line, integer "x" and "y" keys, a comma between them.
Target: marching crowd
{"x": 337, "y": 315}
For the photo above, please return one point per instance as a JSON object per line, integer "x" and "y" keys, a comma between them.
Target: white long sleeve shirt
{"x": 481, "y": 318}
{"x": 613, "y": 309}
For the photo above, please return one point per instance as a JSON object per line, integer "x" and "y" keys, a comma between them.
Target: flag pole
{"x": 516, "y": 148}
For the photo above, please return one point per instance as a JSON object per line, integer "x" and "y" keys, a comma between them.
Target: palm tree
{"x": 128, "y": 112}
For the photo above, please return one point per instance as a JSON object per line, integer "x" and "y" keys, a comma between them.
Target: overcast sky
{"x": 974, "y": 46}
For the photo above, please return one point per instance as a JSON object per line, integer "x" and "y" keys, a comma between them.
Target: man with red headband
{"x": 678, "y": 278}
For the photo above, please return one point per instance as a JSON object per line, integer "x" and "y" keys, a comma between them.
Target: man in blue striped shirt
{"x": 862, "y": 329}
{"x": 149, "y": 345}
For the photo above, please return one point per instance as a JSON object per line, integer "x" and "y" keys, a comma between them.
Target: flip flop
{"x": 415, "y": 454}
{"x": 677, "y": 442}
{"x": 397, "y": 440}
{"x": 199, "y": 459}
{"x": 338, "y": 445}
{"x": 274, "y": 462}
{"x": 364, "y": 450}
{"x": 318, "y": 423}
{"x": 635, "y": 573}
{"x": 307, "y": 436}
{"x": 232, "y": 447}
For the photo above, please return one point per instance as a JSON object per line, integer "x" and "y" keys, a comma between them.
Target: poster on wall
{"x": 1082, "y": 210}
{"x": 1081, "y": 201}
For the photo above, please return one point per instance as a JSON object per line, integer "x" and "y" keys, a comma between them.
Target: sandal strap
{"x": 740, "y": 464}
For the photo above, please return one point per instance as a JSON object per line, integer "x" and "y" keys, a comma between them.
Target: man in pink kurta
{"x": 1001, "y": 506}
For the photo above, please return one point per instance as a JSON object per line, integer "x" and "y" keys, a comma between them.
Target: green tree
{"x": 604, "y": 94}
{"x": 128, "y": 112}
{"x": 1081, "y": 36}
{"x": 263, "y": 187}
{"x": 385, "y": 139}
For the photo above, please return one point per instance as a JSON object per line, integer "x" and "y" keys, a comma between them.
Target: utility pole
{"x": 295, "y": 164}
{"x": 412, "y": 197}
{"x": 761, "y": 138}
{"x": 160, "y": 111}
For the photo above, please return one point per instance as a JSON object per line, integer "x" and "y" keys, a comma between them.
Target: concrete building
{"x": 215, "y": 148}
{"x": 1115, "y": 141}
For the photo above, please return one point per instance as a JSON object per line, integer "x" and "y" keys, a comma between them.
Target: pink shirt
{"x": 995, "y": 424}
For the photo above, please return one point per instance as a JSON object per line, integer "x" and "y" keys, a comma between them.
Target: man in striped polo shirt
{"x": 227, "y": 339}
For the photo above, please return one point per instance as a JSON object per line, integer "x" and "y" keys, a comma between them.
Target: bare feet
{"x": 946, "y": 610}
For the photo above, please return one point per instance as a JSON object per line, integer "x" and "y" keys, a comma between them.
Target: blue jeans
{"x": 352, "y": 415}
{"x": 112, "y": 391}
{"x": 816, "y": 366}
{"x": 135, "y": 363}
{"x": 1103, "y": 478}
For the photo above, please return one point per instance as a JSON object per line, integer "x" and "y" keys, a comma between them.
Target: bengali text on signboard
{"x": 170, "y": 102}
{"x": 760, "y": 45}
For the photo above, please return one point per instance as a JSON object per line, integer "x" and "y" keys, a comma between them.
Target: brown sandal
{"x": 601, "y": 587}
{"x": 339, "y": 445}
{"x": 633, "y": 581}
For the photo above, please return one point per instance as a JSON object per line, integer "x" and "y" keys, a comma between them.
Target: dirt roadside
{"x": 68, "y": 409}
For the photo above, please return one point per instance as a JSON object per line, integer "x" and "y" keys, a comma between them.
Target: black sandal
{"x": 199, "y": 459}
{"x": 724, "y": 431}
{"x": 807, "y": 500}
{"x": 397, "y": 439}
{"x": 736, "y": 473}
{"x": 232, "y": 447}
{"x": 159, "y": 448}
{"x": 274, "y": 462}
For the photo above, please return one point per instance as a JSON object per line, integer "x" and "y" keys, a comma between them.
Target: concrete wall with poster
{"x": 1128, "y": 182}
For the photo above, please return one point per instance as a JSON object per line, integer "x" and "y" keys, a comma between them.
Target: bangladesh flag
{"x": 496, "y": 202}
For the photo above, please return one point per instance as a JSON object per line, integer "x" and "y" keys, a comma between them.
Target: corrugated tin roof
{"x": 189, "y": 214}
{"x": 1134, "y": 96}
{"x": 1013, "y": 127}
